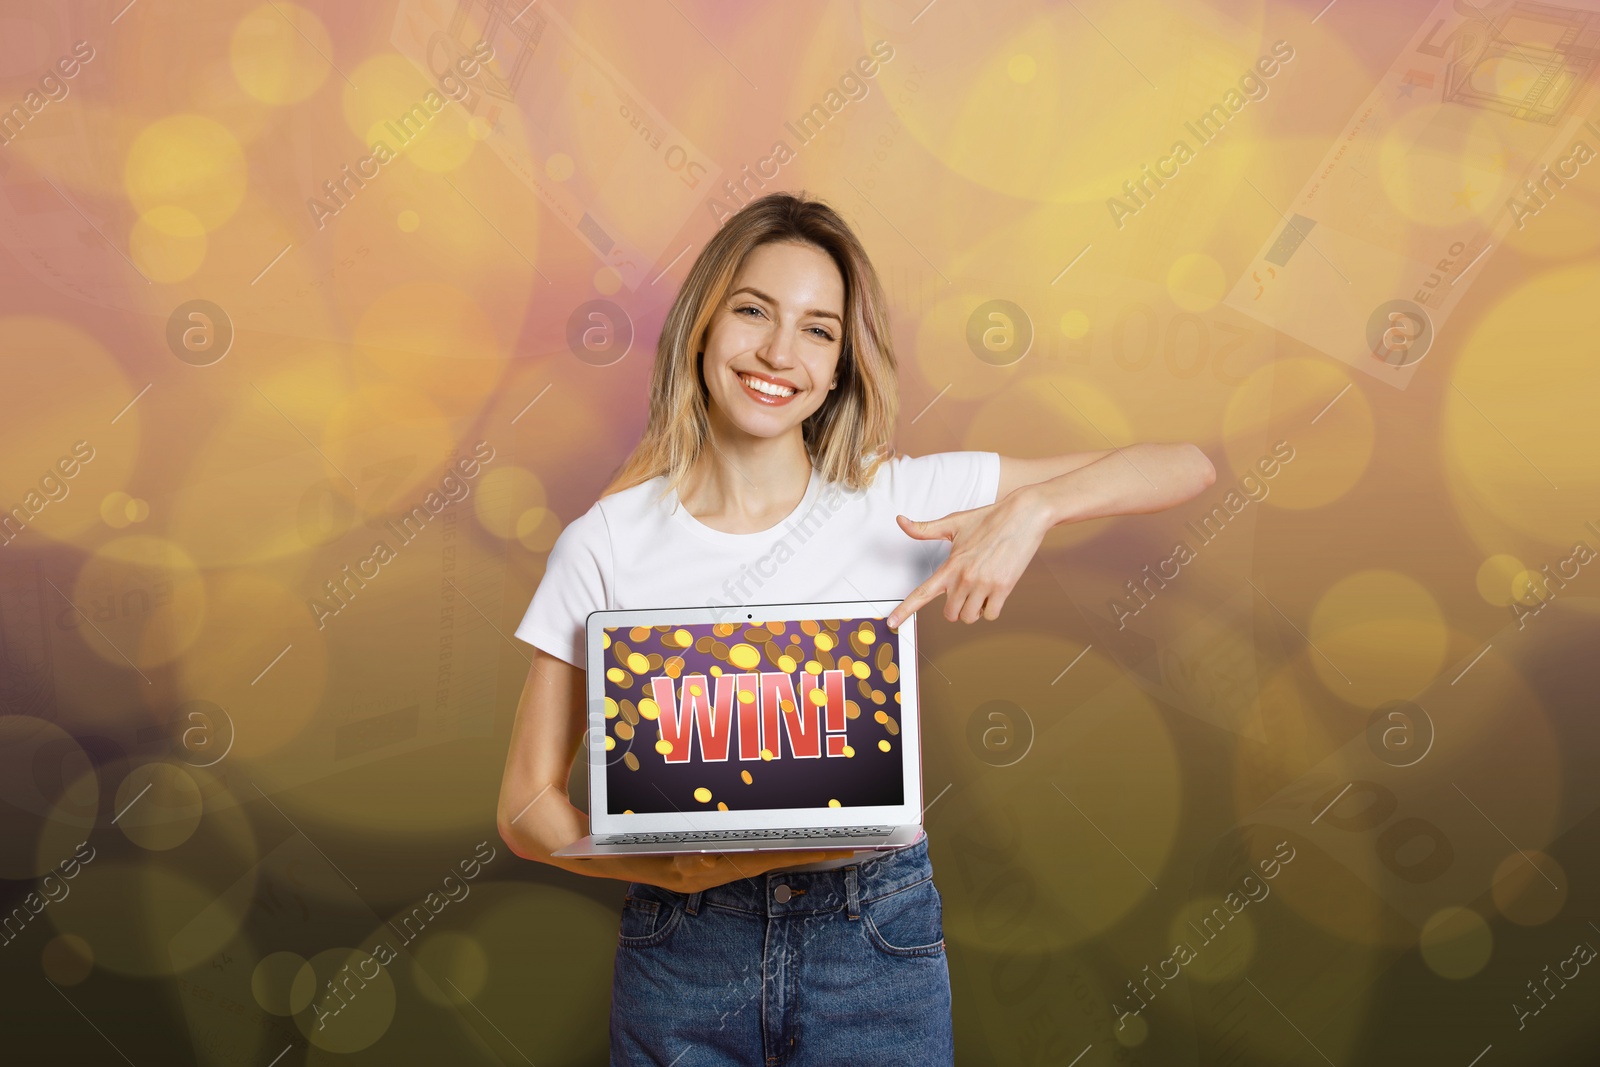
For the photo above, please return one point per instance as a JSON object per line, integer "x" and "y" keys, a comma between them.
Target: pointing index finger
{"x": 919, "y": 596}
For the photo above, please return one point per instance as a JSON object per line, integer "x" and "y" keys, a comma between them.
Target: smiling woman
{"x": 772, "y": 409}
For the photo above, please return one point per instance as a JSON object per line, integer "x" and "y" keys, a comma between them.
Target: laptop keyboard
{"x": 744, "y": 835}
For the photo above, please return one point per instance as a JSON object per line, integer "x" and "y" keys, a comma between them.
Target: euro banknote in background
{"x": 565, "y": 122}
{"x": 1480, "y": 111}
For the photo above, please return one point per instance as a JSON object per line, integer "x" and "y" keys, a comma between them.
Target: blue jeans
{"x": 797, "y": 969}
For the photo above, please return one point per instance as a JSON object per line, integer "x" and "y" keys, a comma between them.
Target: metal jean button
{"x": 782, "y": 893}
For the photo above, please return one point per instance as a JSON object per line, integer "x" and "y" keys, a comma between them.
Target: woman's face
{"x": 773, "y": 344}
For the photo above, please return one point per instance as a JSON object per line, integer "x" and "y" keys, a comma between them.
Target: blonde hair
{"x": 848, "y": 437}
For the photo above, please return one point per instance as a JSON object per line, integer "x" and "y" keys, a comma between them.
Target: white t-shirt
{"x": 633, "y": 550}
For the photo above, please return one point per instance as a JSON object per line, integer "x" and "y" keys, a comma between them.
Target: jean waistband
{"x": 777, "y": 893}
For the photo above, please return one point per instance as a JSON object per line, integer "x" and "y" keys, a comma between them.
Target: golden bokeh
{"x": 505, "y": 496}
{"x": 168, "y": 244}
{"x": 941, "y": 354}
{"x": 268, "y": 700}
{"x": 277, "y": 53}
{"x": 141, "y": 602}
{"x": 1379, "y": 635}
{"x": 976, "y": 104}
{"x": 559, "y": 1009}
{"x": 132, "y": 910}
{"x": 1519, "y": 439}
{"x": 283, "y": 983}
{"x": 385, "y": 447}
{"x": 1456, "y": 943}
{"x": 1438, "y": 170}
{"x": 448, "y": 966}
{"x": 48, "y": 793}
{"x": 61, "y": 453}
{"x": 1221, "y": 938}
{"x": 357, "y": 1010}
{"x": 1108, "y": 763}
{"x": 190, "y": 162}
{"x": 1530, "y": 887}
{"x": 67, "y": 959}
{"x": 1196, "y": 282}
{"x": 398, "y": 106}
{"x": 1304, "y": 402}
{"x": 159, "y": 806}
{"x": 1499, "y": 579}
{"x": 434, "y": 338}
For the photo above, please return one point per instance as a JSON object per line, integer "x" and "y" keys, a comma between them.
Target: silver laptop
{"x": 760, "y": 727}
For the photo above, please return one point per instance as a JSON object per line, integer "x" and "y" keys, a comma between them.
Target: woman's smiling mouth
{"x": 766, "y": 391}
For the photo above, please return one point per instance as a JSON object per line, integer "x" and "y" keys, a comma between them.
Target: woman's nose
{"x": 779, "y": 348}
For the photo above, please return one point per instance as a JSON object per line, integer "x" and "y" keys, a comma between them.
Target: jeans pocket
{"x": 907, "y": 923}
{"x": 646, "y": 922}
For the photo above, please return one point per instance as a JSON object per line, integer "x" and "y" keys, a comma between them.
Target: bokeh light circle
{"x": 60, "y": 454}
{"x": 1380, "y": 635}
{"x": 168, "y": 244}
{"x": 1222, "y": 939}
{"x": 1510, "y": 432}
{"x": 158, "y": 806}
{"x": 1196, "y": 282}
{"x": 1278, "y": 402}
{"x": 504, "y": 495}
{"x": 1497, "y": 578}
{"x": 448, "y": 966}
{"x": 283, "y": 983}
{"x": 187, "y": 161}
{"x": 362, "y": 1009}
{"x": 139, "y": 599}
{"x": 278, "y": 52}
{"x": 1456, "y": 943}
{"x": 67, "y": 959}
{"x": 1529, "y": 887}
{"x": 46, "y": 780}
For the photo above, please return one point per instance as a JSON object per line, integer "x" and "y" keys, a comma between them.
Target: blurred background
{"x": 319, "y": 321}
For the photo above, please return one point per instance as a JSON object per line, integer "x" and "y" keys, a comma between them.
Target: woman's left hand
{"x": 991, "y": 547}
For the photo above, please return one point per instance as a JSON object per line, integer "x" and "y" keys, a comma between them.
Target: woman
{"x": 775, "y": 383}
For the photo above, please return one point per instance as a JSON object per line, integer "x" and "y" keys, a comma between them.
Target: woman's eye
{"x": 821, "y": 333}
{"x": 747, "y": 307}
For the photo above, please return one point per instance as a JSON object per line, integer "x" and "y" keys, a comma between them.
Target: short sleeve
{"x": 577, "y": 579}
{"x": 933, "y": 486}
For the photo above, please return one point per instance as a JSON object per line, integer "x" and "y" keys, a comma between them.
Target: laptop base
{"x": 796, "y": 841}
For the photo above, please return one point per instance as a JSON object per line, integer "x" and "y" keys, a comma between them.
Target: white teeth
{"x": 765, "y": 387}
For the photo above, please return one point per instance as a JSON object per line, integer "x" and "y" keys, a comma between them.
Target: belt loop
{"x": 693, "y": 907}
{"x": 852, "y": 898}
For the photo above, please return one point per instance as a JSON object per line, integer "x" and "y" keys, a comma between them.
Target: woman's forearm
{"x": 1135, "y": 480}
{"x": 533, "y": 812}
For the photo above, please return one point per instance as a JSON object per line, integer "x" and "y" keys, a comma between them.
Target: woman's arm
{"x": 535, "y": 817}
{"x": 1135, "y": 480}
{"x": 993, "y": 545}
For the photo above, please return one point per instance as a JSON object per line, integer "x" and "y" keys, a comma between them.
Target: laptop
{"x": 751, "y": 728}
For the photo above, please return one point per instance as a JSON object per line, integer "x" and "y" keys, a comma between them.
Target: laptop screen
{"x": 744, "y": 716}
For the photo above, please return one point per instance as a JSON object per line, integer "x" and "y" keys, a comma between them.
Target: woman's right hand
{"x": 683, "y": 872}
{"x": 535, "y": 817}
{"x": 691, "y": 872}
